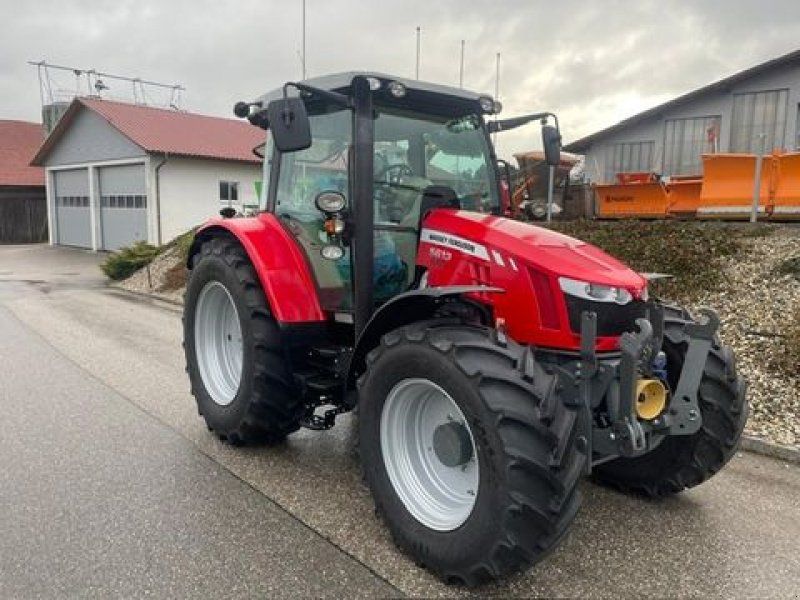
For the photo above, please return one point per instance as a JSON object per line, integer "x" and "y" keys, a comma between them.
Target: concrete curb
{"x": 758, "y": 446}
{"x": 152, "y": 298}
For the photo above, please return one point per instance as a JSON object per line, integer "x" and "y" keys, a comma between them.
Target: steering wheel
{"x": 401, "y": 168}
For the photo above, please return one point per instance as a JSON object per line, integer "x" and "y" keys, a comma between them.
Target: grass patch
{"x": 126, "y": 261}
{"x": 692, "y": 252}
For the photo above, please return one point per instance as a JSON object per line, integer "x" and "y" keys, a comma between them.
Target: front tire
{"x": 682, "y": 462}
{"x": 476, "y": 503}
{"x": 234, "y": 358}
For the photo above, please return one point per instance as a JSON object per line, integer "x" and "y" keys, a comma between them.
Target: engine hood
{"x": 545, "y": 250}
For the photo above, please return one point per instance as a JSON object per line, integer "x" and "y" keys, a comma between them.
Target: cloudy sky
{"x": 593, "y": 62}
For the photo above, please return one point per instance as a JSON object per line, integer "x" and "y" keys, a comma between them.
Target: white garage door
{"x": 123, "y": 206}
{"x": 73, "y": 224}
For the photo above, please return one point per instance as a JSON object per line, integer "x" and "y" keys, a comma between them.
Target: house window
{"x": 686, "y": 140}
{"x": 756, "y": 114}
{"x": 228, "y": 191}
{"x": 629, "y": 157}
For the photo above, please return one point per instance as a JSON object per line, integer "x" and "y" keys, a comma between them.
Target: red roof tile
{"x": 19, "y": 141}
{"x": 170, "y": 131}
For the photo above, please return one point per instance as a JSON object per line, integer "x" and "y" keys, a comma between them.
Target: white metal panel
{"x": 123, "y": 205}
{"x": 71, "y": 203}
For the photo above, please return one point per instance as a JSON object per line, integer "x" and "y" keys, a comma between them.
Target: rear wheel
{"x": 236, "y": 367}
{"x": 681, "y": 462}
{"x": 470, "y": 455}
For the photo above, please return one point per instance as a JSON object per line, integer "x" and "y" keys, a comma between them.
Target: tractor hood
{"x": 545, "y": 250}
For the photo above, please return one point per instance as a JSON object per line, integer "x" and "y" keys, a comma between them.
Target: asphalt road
{"x": 110, "y": 483}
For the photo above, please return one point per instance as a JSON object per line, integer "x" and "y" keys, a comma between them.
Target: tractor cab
{"x": 355, "y": 164}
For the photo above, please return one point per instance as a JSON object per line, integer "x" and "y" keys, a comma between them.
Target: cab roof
{"x": 341, "y": 82}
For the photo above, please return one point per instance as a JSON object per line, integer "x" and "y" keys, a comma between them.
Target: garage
{"x": 123, "y": 205}
{"x": 120, "y": 173}
{"x": 73, "y": 220}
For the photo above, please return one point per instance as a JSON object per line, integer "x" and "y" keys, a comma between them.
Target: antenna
{"x": 96, "y": 82}
{"x": 304, "y": 40}
{"x": 461, "y": 70}
{"x": 416, "y": 73}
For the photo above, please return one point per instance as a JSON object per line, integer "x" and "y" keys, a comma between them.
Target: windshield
{"x": 418, "y": 150}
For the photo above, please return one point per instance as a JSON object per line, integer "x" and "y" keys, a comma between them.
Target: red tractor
{"x": 492, "y": 363}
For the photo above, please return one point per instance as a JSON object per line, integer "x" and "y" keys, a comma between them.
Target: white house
{"x": 117, "y": 173}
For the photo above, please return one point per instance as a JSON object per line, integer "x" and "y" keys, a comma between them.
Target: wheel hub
{"x": 429, "y": 454}
{"x": 452, "y": 444}
{"x": 218, "y": 343}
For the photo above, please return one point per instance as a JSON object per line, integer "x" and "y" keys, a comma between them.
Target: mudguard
{"x": 401, "y": 310}
{"x": 280, "y": 264}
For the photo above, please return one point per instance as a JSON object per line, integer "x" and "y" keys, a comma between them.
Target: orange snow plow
{"x": 632, "y": 197}
{"x": 683, "y": 194}
{"x": 725, "y": 191}
{"x": 786, "y": 194}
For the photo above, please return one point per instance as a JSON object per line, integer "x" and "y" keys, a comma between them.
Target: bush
{"x": 183, "y": 243}
{"x": 127, "y": 260}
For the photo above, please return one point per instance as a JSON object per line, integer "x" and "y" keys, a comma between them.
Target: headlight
{"x": 330, "y": 202}
{"x": 397, "y": 89}
{"x": 594, "y": 292}
{"x": 332, "y": 252}
{"x": 486, "y": 104}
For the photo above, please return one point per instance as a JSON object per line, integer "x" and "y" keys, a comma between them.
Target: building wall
{"x": 91, "y": 138}
{"x": 712, "y": 103}
{"x": 188, "y": 191}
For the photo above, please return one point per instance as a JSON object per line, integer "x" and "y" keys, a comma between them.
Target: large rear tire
{"x": 470, "y": 454}
{"x": 682, "y": 462}
{"x": 234, "y": 358}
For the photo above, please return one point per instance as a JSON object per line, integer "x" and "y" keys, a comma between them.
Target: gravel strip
{"x": 149, "y": 280}
{"x": 754, "y": 304}
{"x": 756, "y": 307}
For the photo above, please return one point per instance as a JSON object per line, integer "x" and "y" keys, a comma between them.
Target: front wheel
{"x": 472, "y": 465}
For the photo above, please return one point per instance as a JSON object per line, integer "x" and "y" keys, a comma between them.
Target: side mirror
{"x": 289, "y": 124}
{"x": 551, "y": 142}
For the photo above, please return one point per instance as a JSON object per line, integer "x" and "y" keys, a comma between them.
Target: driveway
{"x": 735, "y": 536}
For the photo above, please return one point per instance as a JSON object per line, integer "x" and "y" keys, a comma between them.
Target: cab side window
{"x": 303, "y": 175}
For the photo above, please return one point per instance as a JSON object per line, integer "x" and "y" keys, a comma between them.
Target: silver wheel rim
{"x": 218, "y": 343}
{"x": 438, "y": 496}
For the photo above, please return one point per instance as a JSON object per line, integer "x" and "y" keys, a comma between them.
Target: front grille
{"x": 612, "y": 319}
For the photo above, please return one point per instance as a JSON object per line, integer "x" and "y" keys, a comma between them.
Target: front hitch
{"x": 640, "y": 409}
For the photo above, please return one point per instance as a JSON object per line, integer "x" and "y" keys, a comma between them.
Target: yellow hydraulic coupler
{"x": 651, "y": 398}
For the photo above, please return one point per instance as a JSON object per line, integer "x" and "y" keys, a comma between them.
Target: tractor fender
{"x": 280, "y": 264}
{"x": 401, "y": 310}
